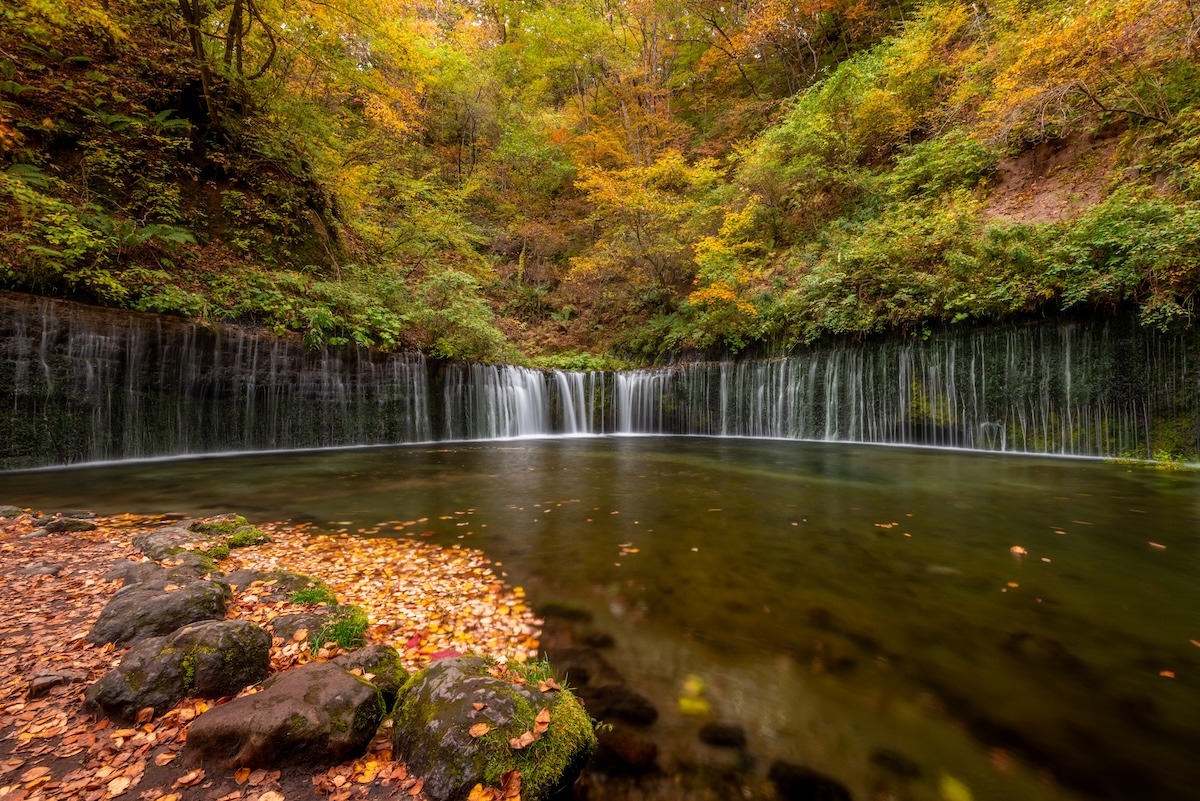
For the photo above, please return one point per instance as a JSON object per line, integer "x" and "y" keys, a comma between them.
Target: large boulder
{"x": 208, "y": 660}
{"x": 456, "y": 722}
{"x": 380, "y": 665}
{"x": 64, "y": 525}
{"x": 314, "y": 715}
{"x": 154, "y": 610}
{"x": 11, "y": 511}
{"x": 137, "y": 573}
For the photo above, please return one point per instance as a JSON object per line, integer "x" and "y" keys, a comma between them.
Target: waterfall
{"x": 85, "y": 384}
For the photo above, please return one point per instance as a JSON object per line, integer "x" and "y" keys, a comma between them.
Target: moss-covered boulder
{"x": 207, "y": 660}
{"x": 153, "y": 609}
{"x": 380, "y": 665}
{"x": 312, "y": 716}
{"x": 468, "y": 721}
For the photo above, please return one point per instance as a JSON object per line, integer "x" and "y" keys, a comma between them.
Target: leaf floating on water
{"x": 480, "y": 729}
{"x": 1018, "y": 551}
{"x": 1158, "y": 546}
{"x": 951, "y": 789}
{"x": 1195, "y": 643}
{"x": 1167, "y": 674}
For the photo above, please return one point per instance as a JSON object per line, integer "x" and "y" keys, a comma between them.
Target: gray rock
{"x": 65, "y": 525}
{"x": 279, "y": 586}
{"x": 11, "y": 511}
{"x": 136, "y": 573}
{"x": 79, "y": 514}
{"x": 45, "y": 681}
{"x": 314, "y": 715}
{"x": 187, "y": 564}
{"x": 286, "y": 626}
{"x": 208, "y": 660}
{"x": 381, "y": 666}
{"x": 146, "y": 610}
{"x": 40, "y": 569}
{"x": 36, "y": 534}
{"x": 166, "y": 542}
{"x": 438, "y": 708}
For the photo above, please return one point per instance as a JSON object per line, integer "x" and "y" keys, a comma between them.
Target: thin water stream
{"x": 835, "y": 600}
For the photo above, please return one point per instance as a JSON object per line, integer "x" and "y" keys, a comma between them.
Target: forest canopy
{"x": 578, "y": 181}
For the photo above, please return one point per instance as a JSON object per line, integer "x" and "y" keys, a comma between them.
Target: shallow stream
{"x": 838, "y": 601}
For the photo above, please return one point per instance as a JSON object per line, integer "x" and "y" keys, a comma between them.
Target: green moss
{"x": 346, "y": 627}
{"x": 220, "y": 528}
{"x": 319, "y": 593}
{"x": 247, "y": 536}
{"x": 218, "y": 552}
{"x": 296, "y": 724}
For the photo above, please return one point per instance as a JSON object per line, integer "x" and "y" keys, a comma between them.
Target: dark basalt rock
{"x": 619, "y": 702}
{"x": 723, "y": 735}
{"x": 286, "y": 626}
{"x": 311, "y": 716}
{"x": 381, "y": 666}
{"x": 798, "y": 783}
{"x": 136, "y": 573}
{"x": 208, "y": 660}
{"x": 623, "y": 750}
{"x": 145, "y": 610}
{"x": 432, "y": 732}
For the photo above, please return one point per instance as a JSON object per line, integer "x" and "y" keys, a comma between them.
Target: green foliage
{"x": 319, "y": 593}
{"x": 247, "y": 536}
{"x": 454, "y": 322}
{"x": 347, "y": 628}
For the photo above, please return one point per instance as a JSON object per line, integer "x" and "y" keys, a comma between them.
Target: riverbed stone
{"x": 380, "y": 665}
{"x": 68, "y": 525}
{"x": 207, "y": 660}
{"x": 286, "y": 626}
{"x": 315, "y": 715}
{"x": 799, "y": 783}
{"x": 620, "y": 702}
{"x": 623, "y": 750}
{"x": 440, "y": 705}
{"x": 723, "y": 735}
{"x": 11, "y": 511}
{"x": 166, "y": 542}
{"x": 40, "y": 569}
{"x": 278, "y": 585}
{"x": 46, "y": 680}
{"x": 146, "y": 610}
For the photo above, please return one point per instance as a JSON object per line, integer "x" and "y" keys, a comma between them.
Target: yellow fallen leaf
{"x": 951, "y": 789}
{"x": 118, "y": 785}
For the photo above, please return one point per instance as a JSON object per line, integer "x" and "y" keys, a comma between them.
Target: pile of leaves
{"x": 420, "y": 598}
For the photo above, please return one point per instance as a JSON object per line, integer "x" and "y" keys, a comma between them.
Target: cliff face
{"x": 84, "y": 384}
{"x": 80, "y": 383}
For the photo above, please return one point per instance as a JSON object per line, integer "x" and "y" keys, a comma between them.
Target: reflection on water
{"x": 836, "y": 600}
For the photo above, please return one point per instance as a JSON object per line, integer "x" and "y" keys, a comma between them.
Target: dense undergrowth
{"x": 580, "y": 183}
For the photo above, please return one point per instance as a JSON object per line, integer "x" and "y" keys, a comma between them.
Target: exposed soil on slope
{"x": 1054, "y": 181}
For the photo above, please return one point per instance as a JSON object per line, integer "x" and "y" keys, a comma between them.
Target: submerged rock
{"x": 140, "y": 611}
{"x": 723, "y": 735}
{"x": 620, "y": 702}
{"x": 441, "y": 704}
{"x": 206, "y": 660}
{"x": 798, "y": 783}
{"x": 65, "y": 525}
{"x": 896, "y": 763}
{"x": 624, "y": 750}
{"x": 311, "y": 716}
{"x": 11, "y": 511}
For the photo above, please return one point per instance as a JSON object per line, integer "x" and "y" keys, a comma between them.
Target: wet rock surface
{"x": 144, "y": 610}
{"x": 380, "y": 665}
{"x": 209, "y": 660}
{"x": 317, "y": 714}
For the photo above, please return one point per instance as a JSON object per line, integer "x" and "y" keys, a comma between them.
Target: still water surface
{"x": 835, "y": 599}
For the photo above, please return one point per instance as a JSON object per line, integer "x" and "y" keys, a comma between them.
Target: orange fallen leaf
{"x": 549, "y": 685}
{"x": 478, "y": 706}
{"x": 241, "y": 775}
{"x": 1167, "y": 674}
{"x": 300, "y": 635}
{"x": 34, "y": 773}
{"x": 481, "y": 793}
{"x": 480, "y": 729}
{"x": 189, "y": 779}
{"x": 118, "y": 785}
{"x": 271, "y": 795}
{"x": 145, "y": 715}
{"x": 165, "y": 758}
{"x": 510, "y": 786}
{"x": 415, "y": 790}
{"x": 543, "y": 721}
{"x": 526, "y": 739}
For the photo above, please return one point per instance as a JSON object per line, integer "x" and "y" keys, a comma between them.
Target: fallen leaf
{"x": 526, "y": 739}
{"x": 271, "y": 795}
{"x": 1158, "y": 546}
{"x": 300, "y": 635}
{"x": 189, "y": 779}
{"x": 34, "y": 773}
{"x": 241, "y": 775}
{"x": 481, "y": 793}
{"x": 118, "y": 785}
{"x": 510, "y": 786}
{"x": 549, "y": 685}
{"x": 415, "y": 790}
{"x": 480, "y": 729}
{"x": 478, "y": 706}
{"x": 543, "y": 721}
{"x": 145, "y": 714}
{"x": 165, "y": 758}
